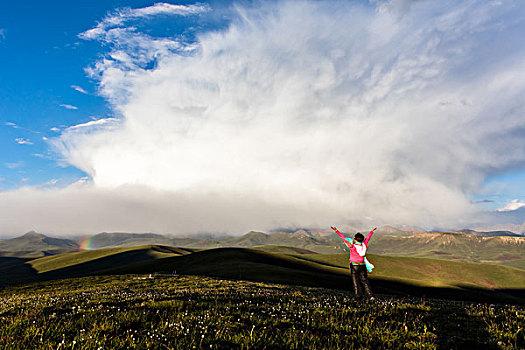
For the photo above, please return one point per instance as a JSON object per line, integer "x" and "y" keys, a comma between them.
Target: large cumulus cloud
{"x": 309, "y": 112}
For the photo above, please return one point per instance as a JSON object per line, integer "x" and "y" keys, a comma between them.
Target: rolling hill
{"x": 393, "y": 275}
{"x": 484, "y": 247}
{"x": 503, "y": 250}
{"x": 114, "y": 239}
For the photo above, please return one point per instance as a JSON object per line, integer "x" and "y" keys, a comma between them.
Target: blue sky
{"x": 41, "y": 59}
{"x": 44, "y": 84}
{"x": 395, "y": 112}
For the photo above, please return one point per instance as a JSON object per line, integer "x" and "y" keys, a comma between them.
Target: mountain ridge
{"x": 32, "y": 241}
{"x": 499, "y": 247}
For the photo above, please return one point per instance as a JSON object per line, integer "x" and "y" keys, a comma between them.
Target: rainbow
{"x": 86, "y": 243}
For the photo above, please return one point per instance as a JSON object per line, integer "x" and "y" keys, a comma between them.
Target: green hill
{"x": 433, "y": 272}
{"x": 280, "y": 249}
{"x": 143, "y": 253}
{"x": 453, "y": 246}
{"x": 503, "y": 250}
{"x": 113, "y": 239}
{"x": 456, "y": 246}
{"x": 393, "y": 275}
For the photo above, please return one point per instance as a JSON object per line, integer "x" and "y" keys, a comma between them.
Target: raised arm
{"x": 342, "y": 236}
{"x": 369, "y": 236}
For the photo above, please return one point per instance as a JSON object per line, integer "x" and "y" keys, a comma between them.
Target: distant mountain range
{"x": 492, "y": 233}
{"x": 114, "y": 239}
{"x": 499, "y": 247}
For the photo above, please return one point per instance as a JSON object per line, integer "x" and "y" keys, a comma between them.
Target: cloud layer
{"x": 299, "y": 113}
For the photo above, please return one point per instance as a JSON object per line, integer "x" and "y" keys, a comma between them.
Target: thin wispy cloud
{"x": 50, "y": 183}
{"x": 121, "y": 16}
{"x": 22, "y": 141}
{"x": 13, "y": 125}
{"x": 93, "y": 123}
{"x": 298, "y": 113}
{"x": 483, "y": 201}
{"x": 15, "y": 165}
{"x": 132, "y": 49}
{"x": 2, "y": 34}
{"x": 68, "y": 106}
{"x": 79, "y": 89}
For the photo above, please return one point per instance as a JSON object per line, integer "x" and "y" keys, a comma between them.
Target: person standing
{"x": 358, "y": 262}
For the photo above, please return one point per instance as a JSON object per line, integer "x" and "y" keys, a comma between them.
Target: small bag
{"x": 369, "y": 265}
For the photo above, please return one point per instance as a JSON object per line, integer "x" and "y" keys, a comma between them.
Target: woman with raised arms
{"x": 358, "y": 262}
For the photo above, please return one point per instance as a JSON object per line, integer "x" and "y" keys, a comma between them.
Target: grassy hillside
{"x": 144, "y": 253}
{"x": 433, "y": 272}
{"x": 393, "y": 275}
{"x": 508, "y": 251}
{"x": 280, "y": 249}
{"x": 123, "y": 239}
{"x": 137, "y": 312}
{"x": 455, "y": 246}
{"x": 38, "y": 253}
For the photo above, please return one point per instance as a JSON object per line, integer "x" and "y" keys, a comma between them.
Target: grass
{"x": 393, "y": 275}
{"x": 508, "y": 251}
{"x": 433, "y": 272}
{"x": 190, "y": 312}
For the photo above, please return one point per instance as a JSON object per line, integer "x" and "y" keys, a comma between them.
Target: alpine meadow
{"x": 245, "y": 174}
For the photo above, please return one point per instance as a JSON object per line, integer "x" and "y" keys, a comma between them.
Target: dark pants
{"x": 360, "y": 280}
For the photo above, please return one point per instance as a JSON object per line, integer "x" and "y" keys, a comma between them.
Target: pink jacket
{"x": 354, "y": 255}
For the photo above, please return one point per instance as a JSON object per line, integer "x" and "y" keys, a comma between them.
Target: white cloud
{"x": 2, "y": 34}
{"x": 68, "y": 106}
{"x": 14, "y": 165}
{"x": 22, "y": 141}
{"x": 92, "y": 123}
{"x": 13, "y": 125}
{"x": 85, "y": 209}
{"x": 132, "y": 49}
{"x": 51, "y": 182}
{"x": 300, "y": 113}
{"x": 55, "y": 129}
{"x": 512, "y": 205}
{"x": 79, "y": 89}
{"x": 122, "y": 16}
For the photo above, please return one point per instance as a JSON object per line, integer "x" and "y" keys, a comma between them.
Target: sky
{"x": 224, "y": 117}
